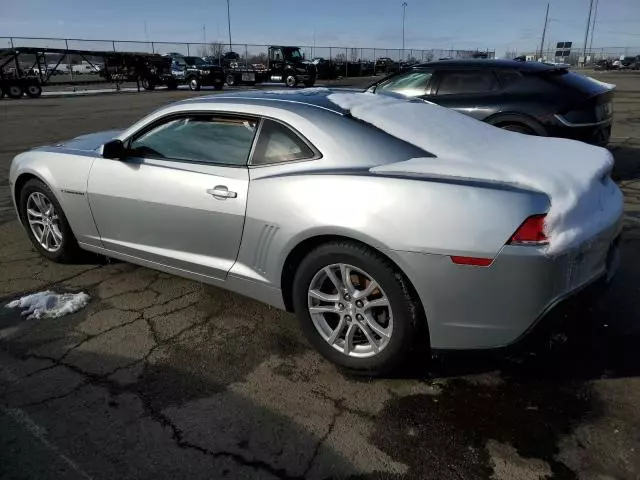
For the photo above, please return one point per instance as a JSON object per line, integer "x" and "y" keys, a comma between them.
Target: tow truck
{"x": 288, "y": 65}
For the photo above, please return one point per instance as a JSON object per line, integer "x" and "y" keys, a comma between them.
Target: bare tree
{"x": 214, "y": 49}
{"x": 259, "y": 58}
{"x": 340, "y": 57}
{"x": 355, "y": 54}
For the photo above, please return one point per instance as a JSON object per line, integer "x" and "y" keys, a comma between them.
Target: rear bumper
{"x": 594, "y": 134}
{"x": 471, "y": 307}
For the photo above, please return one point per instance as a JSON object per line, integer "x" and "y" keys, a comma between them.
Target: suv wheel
{"x": 355, "y": 307}
{"x": 517, "y": 127}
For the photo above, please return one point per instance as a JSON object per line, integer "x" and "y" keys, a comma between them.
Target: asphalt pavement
{"x": 161, "y": 377}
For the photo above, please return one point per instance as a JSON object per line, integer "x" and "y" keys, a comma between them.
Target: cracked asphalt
{"x": 161, "y": 377}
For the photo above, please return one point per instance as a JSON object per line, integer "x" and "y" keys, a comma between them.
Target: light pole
{"x": 229, "y": 22}
{"x": 404, "y": 14}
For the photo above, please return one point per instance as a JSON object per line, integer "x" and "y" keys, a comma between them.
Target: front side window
{"x": 277, "y": 144}
{"x": 411, "y": 84}
{"x": 198, "y": 138}
{"x": 467, "y": 81}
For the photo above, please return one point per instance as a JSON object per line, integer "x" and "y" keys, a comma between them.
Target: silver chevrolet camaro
{"x": 272, "y": 196}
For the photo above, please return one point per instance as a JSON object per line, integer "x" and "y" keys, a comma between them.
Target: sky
{"x": 499, "y": 25}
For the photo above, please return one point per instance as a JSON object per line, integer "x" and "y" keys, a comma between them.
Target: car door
{"x": 276, "y": 64}
{"x": 474, "y": 92}
{"x": 179, "y": 197}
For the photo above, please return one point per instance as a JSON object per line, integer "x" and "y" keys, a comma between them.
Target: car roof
{"x": 285, "y": 98}
{"x": 489, "y": 64}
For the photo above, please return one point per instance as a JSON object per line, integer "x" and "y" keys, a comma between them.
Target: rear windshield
{"x": 575, "y": 81}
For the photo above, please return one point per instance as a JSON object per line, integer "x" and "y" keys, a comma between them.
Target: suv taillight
{"x": 531, "y": 232}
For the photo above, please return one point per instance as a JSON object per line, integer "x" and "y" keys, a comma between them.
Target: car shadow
{"x": 627, "y": 162}
{"x": 577, "y": 341}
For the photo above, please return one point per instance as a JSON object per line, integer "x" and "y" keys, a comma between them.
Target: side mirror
{"x": 114, "y": 149}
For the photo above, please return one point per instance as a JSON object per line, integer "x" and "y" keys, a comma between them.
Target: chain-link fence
{"x": 594, "y": 56}
{"x": 332, "y": 62}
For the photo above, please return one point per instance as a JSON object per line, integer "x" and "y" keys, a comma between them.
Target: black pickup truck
{"x": 196, "y": 72}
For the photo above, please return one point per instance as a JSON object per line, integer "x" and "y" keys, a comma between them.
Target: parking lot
{"x": 161, "y": 377}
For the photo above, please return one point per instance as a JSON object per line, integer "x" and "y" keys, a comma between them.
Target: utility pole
{"x": 586, "y": 33}
{"x": 204, "y": 37}
{"x": 404, "y": 14}
{"x": 593, "y": 26}
{"x": 229, "y": 21}
{"x": 544, "y": 31}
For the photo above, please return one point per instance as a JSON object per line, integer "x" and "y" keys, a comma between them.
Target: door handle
{"x": 221, "y": 192}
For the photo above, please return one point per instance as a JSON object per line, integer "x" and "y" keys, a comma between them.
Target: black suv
{"x": 196, "y": 72}
{"x": 526, "y": 97}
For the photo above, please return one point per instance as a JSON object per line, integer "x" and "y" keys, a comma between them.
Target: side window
{"x": 277, "y": 144}
{"x": 276, "y": 54}
{"x": 507, "y": 77}
{"x": 467, "y": 81}
{"x": 198, "y": 138}
{"x": 411, "y": 84}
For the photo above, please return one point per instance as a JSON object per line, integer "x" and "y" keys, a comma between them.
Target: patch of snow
{"x": 609, "y": 86}
{"x": 299, "y": 91}
{"x": 575, "y": 176}
{"x": 49, "y": 304}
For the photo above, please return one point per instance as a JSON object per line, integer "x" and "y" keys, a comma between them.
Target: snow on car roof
{"x": 575, "y": 176}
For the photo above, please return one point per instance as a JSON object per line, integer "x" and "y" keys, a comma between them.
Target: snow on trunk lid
{"x": 575, "y": 176}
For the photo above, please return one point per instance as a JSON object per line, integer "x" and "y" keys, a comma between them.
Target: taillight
{"x": 531, "y": 232}
{"x": 475, "y": 261}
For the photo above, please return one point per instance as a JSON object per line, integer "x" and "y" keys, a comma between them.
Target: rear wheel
{"x": 14, "y": 90}
{"x": 46, "y": 224}
{"x": 355, "y": 307}
{"x": 517, "y": 127}
{"x": 33, "y": 90}
{"x": 147, "y": 84}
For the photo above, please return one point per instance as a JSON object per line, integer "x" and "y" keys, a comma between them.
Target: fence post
{"x": 346, "y": 62}
{"x": 188, "y": 52}
{"x": 11, "y": 40}
{"x": 153, "y": 48}
{"x": 361, "y": 62}
{"x": 246, "y": 55}
{"x": 66, "y": 43}
{"x": 374, "y": 63}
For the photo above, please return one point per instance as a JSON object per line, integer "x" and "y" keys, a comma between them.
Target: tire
{"x": 194, "y": 84}
{"x": 14, "y": 90}
{"x": 406, "y": 319}
{"x": 231, "y": 80}
{"x": 147, "y": 84}
{"x": 517, "y": 127}
{"x": 290, "y": 80}
{"x": 33, "y": 90}
{"x": 68, "y": 250}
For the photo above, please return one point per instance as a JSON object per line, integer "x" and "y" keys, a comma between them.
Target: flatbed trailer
{"x": 25, "y": 70}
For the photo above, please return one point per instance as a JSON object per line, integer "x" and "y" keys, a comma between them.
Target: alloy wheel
{"x": 350, "y": 310}
{"x": 44, "y": 222}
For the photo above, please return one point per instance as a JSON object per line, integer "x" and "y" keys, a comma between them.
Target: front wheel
{"x": 46, "y": 224}
{"x": 194, "y": 84}
{"x": 290, "y": 80}
{"x": 356, "y": 308}
{"x": 231, "y": 80}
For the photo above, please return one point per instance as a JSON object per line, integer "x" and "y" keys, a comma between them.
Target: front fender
{"x": 66, "y": 174}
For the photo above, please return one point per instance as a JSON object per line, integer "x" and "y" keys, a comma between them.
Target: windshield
{"x": 197, "y": 61}
{"x": 293, "y": 54}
